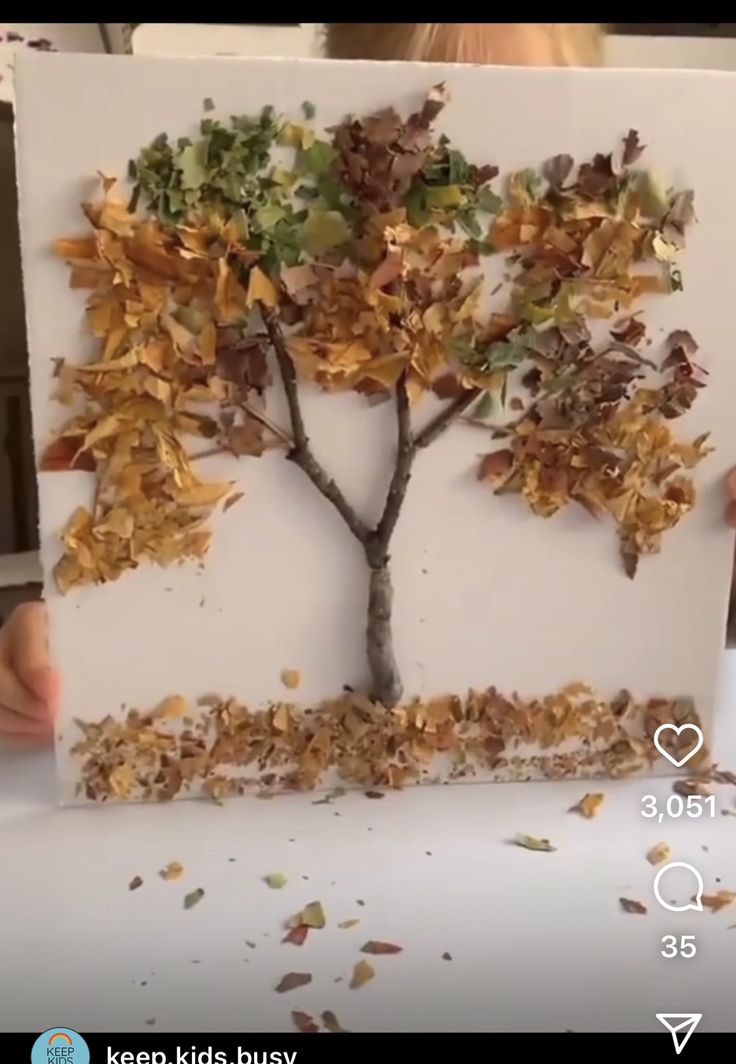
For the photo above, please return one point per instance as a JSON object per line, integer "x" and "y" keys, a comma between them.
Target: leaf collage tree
{"x": 358, "y": 263}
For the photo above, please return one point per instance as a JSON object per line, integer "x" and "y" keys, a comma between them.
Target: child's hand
{"x": 29, "y": 684}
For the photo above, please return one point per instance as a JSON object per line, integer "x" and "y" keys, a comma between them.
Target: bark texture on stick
{"x": 387, "y": 685}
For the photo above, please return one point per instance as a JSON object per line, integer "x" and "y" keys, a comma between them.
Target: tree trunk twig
{"x": 406, "y": 452}
{"x": 446, "y": 417}
{"x": 301, "y": 452}
{"x": 386, "y": 682}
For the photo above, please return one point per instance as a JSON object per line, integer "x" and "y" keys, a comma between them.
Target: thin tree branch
{"x": 301, "y": 451}
{"x": 406, "y": 451}
{"x": 266, "y": 421}
{"x": 446, "y": 417}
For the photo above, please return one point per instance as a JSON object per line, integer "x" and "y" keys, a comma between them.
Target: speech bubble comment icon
{"x": 694, "y": 903}
{"x": 660, "y": 737}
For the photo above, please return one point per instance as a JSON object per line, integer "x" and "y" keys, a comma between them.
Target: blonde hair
{"x": 504, "y": 43}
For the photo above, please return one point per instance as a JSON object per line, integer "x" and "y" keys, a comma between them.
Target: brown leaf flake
{"x": 630, "y": 906}
{"x": 231, "y": 500}
{"x": 292, "y": 981}
{"x": 378, "y": 948}
{"x": 332, "y": 1024}
{"x": 135, "y": 883}
{"x": 589, "y": 805}
{"x": 659, "y": 853}
{"x": 716, "y": 902}
{"x": 297, "y": 936}
{"x": 689, "y": 787}
{"x": 345, "y": 925}
{"x": 446, "y": 956}
{"x": 363, "y": 972}
{"x": 304, "y": 1022}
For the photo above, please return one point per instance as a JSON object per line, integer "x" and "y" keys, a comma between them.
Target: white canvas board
{"x": 486, "y": 592}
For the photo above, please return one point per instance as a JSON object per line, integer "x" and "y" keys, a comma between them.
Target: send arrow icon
{"x": 680, "y": 1025}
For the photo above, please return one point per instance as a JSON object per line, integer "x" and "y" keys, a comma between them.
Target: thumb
{"x": 29, "y": 652}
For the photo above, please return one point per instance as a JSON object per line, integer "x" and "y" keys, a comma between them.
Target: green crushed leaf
{"x": 488, "y": 201}
{"x": 484, "y": 408}
{"x": 193, "y": 898}
{"x": 528, "y": 842}
{"x": 324, "y": 231}
{"x": 208, "y": 103}
{"x": 275, "y": 880}
{"x": 316, "y": 159}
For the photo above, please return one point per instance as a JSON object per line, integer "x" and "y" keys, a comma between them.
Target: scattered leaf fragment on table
{"x": 275, "y": 880}
{"x": 293, "y": 980}
{"x": 446, "y": 956}
{"x": 331, "y": 796}
{"x": 311, "y": 915}
{"x": 375, "y": 794}
{"x": 332, "y": 1024}
{"x": 173, "y": 870}
{"x": 362, "y": 973}
{"x": 151, "y": 1022}
{"x": 630, "y": 906}
{"x": 291, "y": 678}
{"x": 208, "y": 104}
{"x": 347, "y": 924}
{"x": 588, "y": 806}
{"x": 689, "y": 787}
{"x": 304, "y": 1022}
{"x": 659, "y": 853}
{"x": 529, "y": 842}
{"x": 297, "y": 936}
{"x": 135, "y": 882}
{"x": 378, "y": 948}
{"x": 193, "y": 898}
{"x": 716, "y": 902}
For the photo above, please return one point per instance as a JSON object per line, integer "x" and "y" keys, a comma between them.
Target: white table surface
{"x": 538, "y": 940}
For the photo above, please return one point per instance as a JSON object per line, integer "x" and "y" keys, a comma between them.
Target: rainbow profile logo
{"x": 60, "y": 1045}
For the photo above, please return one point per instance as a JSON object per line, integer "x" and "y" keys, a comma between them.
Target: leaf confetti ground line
{"x": 363, "y": 972}
{"x": 292, "y": 981}
{"x": 529, "y": 842}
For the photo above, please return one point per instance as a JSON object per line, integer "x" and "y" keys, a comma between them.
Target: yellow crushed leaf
{"x": 275, "y": 880}
{"x": 173, "y": 870}
{"x": 311, "y": 916}
{"x": 363, "y": 972}
{"x": 261, "y": 289}
{"x": 589, "y": 805}
{"x": 659, "y": 853}
{"x": 291, "y": 678}
{"x": 173, "y": 707}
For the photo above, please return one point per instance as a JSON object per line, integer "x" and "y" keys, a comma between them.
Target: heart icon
{"x": 678, "y": 731}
